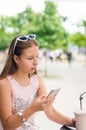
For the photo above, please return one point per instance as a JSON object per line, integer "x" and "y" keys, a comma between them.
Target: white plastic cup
{"x": 80, "y": 117}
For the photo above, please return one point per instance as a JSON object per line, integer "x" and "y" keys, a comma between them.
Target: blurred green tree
{"x": 46, "y": 25}
{"x": 51, "y": 33}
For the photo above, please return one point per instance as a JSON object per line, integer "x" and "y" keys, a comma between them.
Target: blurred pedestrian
{"x": 69, "y": 57}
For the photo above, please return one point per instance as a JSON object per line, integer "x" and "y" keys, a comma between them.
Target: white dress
{"x": 22, "y": 97}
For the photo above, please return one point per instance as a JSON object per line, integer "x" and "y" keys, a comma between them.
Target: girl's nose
{"x": 36, "y": 60}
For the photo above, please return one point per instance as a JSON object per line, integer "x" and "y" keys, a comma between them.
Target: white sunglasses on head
{"x": 24, "y": 39}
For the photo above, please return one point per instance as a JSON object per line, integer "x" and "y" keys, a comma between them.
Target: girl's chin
{"x": 32, "y": 71}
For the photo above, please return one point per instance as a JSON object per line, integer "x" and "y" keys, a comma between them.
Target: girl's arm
{"x": 58, "y": 117}
{"x": 10, "y": 121}
{"x": 53, "y": 114}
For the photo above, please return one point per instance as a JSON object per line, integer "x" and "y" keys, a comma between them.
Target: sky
{"x": 75, "y": 10}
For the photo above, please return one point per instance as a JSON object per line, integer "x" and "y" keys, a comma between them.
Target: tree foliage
{"x": 78, "y": 39}
{"x": 47, "y": 25}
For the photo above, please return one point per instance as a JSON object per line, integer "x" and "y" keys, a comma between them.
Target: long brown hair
{"x": 10, "y": 66}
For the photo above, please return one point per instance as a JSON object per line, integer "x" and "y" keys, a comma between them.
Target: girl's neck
{"x": 22, "y": 79}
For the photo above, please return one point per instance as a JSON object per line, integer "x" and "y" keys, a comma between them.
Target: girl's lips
{"x": 33, "y": 68}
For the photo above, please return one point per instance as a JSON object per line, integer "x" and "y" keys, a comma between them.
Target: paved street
{"x": 71, "y": 80}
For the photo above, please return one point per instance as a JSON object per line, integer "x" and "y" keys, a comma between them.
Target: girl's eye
{"x": 30, "y": 58}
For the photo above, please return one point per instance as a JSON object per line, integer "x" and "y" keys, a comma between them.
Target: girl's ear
{"x": 16, "y": 59}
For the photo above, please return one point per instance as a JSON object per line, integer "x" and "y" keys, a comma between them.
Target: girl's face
{"x": 28, "y": 61}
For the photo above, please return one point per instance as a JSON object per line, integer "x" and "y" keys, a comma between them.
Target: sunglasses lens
{"x": 32, "y": 36}
{"x": 23, "y": 38}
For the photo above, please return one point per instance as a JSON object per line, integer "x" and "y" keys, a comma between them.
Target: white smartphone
{"x": 53, "y": 92}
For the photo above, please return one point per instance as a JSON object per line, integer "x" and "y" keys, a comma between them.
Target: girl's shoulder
{"x": 3, "y": 81}
{"x": 4, "y": 84}
{"x": 39, "y": 77}
{"x": 40, "y": 80}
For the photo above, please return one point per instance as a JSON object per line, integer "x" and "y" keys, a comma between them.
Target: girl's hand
{"x": 46, "y": 102}
{"x": 42, "y": 102}
{"x": 37, "y": 105}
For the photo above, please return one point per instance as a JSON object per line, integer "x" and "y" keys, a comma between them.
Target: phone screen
{"x": 53, "y": 92}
